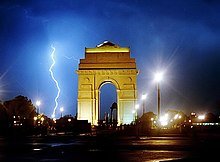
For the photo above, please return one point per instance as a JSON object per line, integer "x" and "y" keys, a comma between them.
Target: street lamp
{"x": 158, "y": 78}
{"x": 61, "y": 110}
{"x": 38, "y": 103}
{"x": 134, "y": 116}
{"x": 144, "y": 96}
{"x": 136, "y": 109}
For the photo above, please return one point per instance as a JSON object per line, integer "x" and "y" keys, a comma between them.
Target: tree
{"x": 210, "y": 117}
{"x": 22, "y": 108}
{"x": 146, "y": 122}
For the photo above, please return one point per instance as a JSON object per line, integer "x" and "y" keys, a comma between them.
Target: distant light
{"x": 136, "y": 106}
{"x": 164, "y": 120}
{"x": 61, "y": 109}
{"x": 201, "y": 117}
{"x": 158, "y": 76}
{"x": 144, "y": 96}
{"x": 176, "y": 116}
{"x": 38, "y": 103}
{"x": 193, "y": 113}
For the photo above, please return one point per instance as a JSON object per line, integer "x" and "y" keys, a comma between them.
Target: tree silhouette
{"x": 20, "y": 106}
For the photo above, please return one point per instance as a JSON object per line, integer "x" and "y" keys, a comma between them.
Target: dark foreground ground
{"x": 108, "y": 146}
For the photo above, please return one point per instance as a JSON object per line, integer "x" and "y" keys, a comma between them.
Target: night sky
{"x": 180, "y": 37}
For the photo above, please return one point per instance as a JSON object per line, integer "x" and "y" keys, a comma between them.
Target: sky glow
{"x": 181, "y": 38}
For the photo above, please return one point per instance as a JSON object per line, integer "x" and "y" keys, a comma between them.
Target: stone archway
{"x": 106, "y": 100}
{"x": 106, "y": 63}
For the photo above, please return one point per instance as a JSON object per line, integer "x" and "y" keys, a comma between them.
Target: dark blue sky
{"x": 181, "y": 37}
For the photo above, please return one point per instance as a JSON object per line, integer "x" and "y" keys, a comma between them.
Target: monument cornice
{"x": 108, "y": 72}
{"x": 106, "y": 49}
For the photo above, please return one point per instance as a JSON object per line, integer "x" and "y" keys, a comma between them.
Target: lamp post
{"x": 158, "y": 78}
{"x": 61, "y": 111}
{"x": 38, "y": 103}
{"x": 134, "y": 116}
{"x": 144, "y": 96}
{"x": 136, "y": 109}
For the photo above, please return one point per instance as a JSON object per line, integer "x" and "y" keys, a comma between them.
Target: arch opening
{"x": 108, "y": 96}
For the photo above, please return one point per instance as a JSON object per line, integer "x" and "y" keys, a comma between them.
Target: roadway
{"x": 109, "y": 147}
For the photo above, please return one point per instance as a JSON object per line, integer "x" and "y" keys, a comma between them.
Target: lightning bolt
{"x": 52, "y": 76}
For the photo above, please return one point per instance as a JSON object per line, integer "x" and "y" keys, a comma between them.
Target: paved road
{"x": 108, "y": 147}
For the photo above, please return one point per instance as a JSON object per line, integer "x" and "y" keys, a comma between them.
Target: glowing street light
{"x": 158, "y": 77}
{"x": 38, "y": 103}
{"x": 164, "y": 120}
{"x": 61, "y": 111}
{"x": 134, "y": 112}
{"x": 201, "y": 117}
{"x": 136, "y": 109}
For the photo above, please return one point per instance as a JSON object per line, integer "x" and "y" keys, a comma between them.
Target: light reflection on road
{"x": 152, "y": 149}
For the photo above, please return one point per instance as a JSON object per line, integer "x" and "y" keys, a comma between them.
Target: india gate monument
{"x": 104, "y": 64}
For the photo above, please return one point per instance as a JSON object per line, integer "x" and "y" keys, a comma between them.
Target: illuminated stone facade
{"x": 106, "y": 63}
